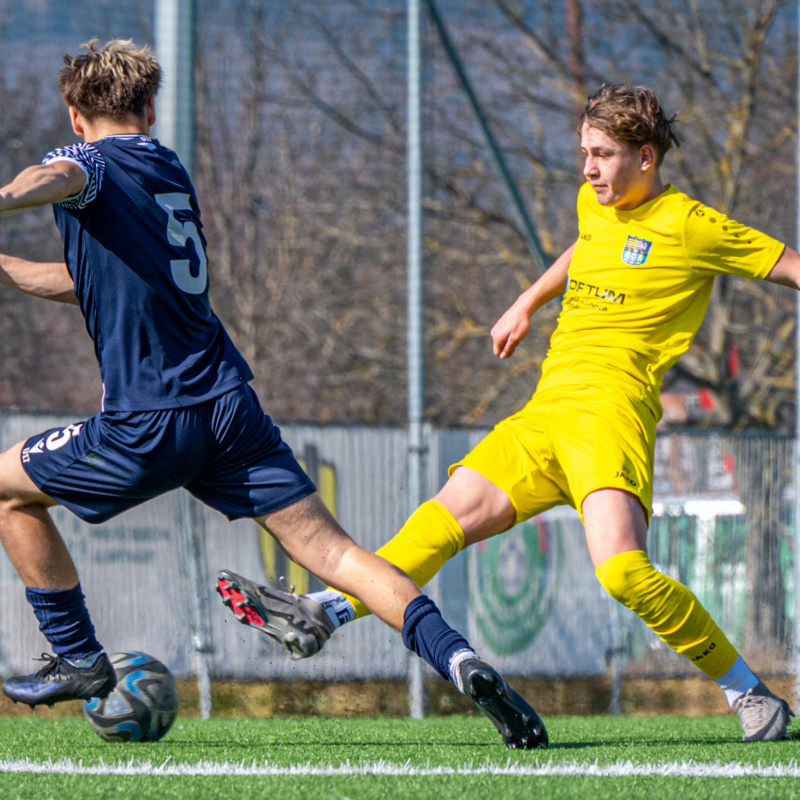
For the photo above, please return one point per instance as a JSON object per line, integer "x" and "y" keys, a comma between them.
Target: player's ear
{"x": 77, "y": 121}
{"x": 150, "y": 112}
{"x": 647, "y": 157}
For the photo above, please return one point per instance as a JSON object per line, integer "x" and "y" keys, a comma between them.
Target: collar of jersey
{"x": 141, "y": 136}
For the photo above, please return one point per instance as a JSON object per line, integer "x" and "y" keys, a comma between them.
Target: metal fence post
{"x": 191, "y": 532}
{"x": 417, "y": 443}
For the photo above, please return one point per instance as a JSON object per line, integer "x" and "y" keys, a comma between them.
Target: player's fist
{"x": 510, "y": 330}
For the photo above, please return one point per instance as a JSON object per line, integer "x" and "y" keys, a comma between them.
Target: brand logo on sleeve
{"x": 636, "y": 251}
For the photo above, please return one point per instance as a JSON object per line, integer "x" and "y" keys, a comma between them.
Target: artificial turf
{"x": 457, "y": 756}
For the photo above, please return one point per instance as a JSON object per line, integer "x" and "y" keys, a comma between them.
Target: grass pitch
{"x": 443, "y": 757}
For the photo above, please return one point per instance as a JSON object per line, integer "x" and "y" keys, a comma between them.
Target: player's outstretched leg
{"x": 299, "y": 624}
{"x": 512, "y": 715}
{"x": 763, "y": 715}
{"x": 60, "y": 680}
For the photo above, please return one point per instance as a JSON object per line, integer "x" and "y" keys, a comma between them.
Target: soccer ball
{"x": 141, "y": 708}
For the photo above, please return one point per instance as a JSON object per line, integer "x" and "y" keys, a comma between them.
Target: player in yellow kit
{"x": 636, "y": 285}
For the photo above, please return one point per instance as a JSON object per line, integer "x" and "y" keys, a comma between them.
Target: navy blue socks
{"x": 431, "y": 638}
{"x": 64, "y": 620}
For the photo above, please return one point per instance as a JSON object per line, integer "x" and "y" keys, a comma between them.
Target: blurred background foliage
{"x": 301, "y": 131}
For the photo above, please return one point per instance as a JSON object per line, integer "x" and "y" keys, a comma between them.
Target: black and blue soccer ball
{"x": 143, "y": 706}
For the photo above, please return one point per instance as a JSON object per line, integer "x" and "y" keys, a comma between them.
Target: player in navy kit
{"x": 177, "y": 410}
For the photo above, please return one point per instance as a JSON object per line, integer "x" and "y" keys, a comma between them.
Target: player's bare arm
{"x": 515, "y": 323}
{"x": 787, "y": 269}
{"x": 48, "y": 280}
{"x": 41, "y": 185}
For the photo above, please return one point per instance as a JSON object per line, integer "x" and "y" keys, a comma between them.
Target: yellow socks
{"x": 670, "y": 609}
{"x": 430, "y": 537}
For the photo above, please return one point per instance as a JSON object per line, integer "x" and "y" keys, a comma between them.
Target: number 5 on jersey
{"x": 178, "y": 233}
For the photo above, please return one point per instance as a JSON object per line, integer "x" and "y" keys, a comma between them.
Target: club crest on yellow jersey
{"x": 636, "y": 251}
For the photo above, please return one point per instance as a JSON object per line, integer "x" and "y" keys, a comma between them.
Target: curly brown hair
{"x": 631, "y": 114}
{"x": 113, "y": 80}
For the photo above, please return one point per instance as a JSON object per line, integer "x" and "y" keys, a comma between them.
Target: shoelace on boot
{"x": 54, "y": 668}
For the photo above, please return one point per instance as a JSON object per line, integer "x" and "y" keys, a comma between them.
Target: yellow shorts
{"x": 566, "y": 443}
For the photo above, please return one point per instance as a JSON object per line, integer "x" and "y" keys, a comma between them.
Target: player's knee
{"x": 624, "y": 575}
{"x": 431, "y": 530}
{"x": 12, "y": 502}
{"x": 480, "y": 508}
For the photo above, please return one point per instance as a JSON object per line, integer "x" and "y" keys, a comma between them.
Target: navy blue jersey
{"x": 134, "y": 245}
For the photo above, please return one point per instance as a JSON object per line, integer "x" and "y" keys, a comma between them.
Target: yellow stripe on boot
{"x": 669, "y": 608}
{"x": 430, "y": 537}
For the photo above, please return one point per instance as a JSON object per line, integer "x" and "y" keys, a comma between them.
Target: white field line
{"x": 620, "y": 769}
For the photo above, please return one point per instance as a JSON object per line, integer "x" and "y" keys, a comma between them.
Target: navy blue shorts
{"x": 225, "y": 451}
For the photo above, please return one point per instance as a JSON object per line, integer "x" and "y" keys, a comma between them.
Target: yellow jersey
{"x": 638, "y": 288}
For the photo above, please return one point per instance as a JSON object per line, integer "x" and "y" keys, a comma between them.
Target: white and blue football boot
{"x": 762, "y": 714}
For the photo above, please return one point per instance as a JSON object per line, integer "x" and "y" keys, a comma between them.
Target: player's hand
{"x": 510, "y": 330}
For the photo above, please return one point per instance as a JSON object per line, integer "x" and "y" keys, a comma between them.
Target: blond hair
{"x": 631, "y": 114}
{"x": 113, "y": 80}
